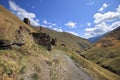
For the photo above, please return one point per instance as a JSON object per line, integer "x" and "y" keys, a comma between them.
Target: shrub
{"x": 37, "y": 68}
{"x": 23, "y": 70}
{"x": 111, "y": 69}
{"x": 34, "y": 76}
{"x": 22, "y": 79}
{"x": 8, "y": 71}
{"x": 72, "y": 57}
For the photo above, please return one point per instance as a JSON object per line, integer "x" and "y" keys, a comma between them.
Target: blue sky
{"x": 85, "y": 18}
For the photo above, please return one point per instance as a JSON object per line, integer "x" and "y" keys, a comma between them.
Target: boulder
{"x": 27, "y": 21}
{"x": 53, "y": 42}
{"x": 5, "y": 44}
{"x": 42, "y": 39}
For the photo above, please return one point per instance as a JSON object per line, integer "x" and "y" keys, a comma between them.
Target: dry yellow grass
{"x": 9, "y": 24}
{"x": 106, "y": 52}
{"x": 71, "y": 41}
{"x": 98, "y": 72}
{"x": 31, "y": 54}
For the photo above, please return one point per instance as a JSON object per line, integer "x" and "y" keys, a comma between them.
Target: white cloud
{"x": 45, "y": 22}
{"x": 88, "y": 24}
{"x": 90, "y": 3}
{"x": 53, "y": 24}
{"x": 71, "y": 32}
{"x": 22, "y": 13}
{"x": 48, "y": 24}
{"x": 115, "y": 25}
{"x": 100, "y": 29}
{"x": 118, "y": 9}
{"x": 97, "y": 30}
{"x": 103, "y": 7}
{"x": 108, "y": 16}
{"x": 58, "y": 29}
{"x": 71, "y": 24}
{"x": 104, "y": 23}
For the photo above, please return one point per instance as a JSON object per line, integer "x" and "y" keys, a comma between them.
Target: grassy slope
{"x": 31, "y": 60}
{"x": 107, "y": 57}
{"x": 9, "y": 24}
{"x": 14, "y": 62}
{"x": 71, "y": 41}
{"x": 95, "y": 70}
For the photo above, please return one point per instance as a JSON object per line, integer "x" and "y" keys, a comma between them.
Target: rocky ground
{"x": 64, "y": 68}
{"x": 58, "y": 66}
{"x": 67, "y": 68}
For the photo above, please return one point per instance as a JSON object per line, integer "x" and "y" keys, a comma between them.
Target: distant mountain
{"x": 106, "y": 52}
{"x": 95, "y": 39}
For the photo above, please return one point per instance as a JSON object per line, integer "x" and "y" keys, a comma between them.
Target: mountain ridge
{"x": 106, "y": 51}
{"x": 67, "y": 39}
{"x": 95, "y": 39}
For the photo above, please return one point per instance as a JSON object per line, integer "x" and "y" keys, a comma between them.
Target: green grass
{"x": 23, "y": 70}
{"x": 37, "y": 68}
{"x": 34, "y": 76}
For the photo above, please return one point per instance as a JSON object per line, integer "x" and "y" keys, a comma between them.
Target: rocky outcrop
{"x": 27, "y": 21}
{"x": 42, "y": 39}
{"x": 19, "y": 35}
{"x": 19, "y": 39}
{"x": 63, "y": 45}
{"x": 5, "y": 44}
{"x": 106, "y": 43}
{"x": 53, "y": 42}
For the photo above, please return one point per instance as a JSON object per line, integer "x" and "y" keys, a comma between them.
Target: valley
{"x": 28, "y": 53}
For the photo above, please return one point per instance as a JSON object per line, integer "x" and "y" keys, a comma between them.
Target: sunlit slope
{"x": 70, "y": 41}
{"x": 106, "y": 52}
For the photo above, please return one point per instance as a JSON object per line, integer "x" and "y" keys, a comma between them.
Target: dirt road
{"x": 66, "y": 69}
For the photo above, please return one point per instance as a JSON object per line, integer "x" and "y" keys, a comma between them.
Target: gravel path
{"x": 67, "y": 69}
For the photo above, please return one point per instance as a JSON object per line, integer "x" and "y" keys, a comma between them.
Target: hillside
{"x": 70, "y": 41}
{"x": 13, "y": 30}
{"x": 21, "y": 58}
{"x": 106, "y": 52}
{"x": 95, "y": 39}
